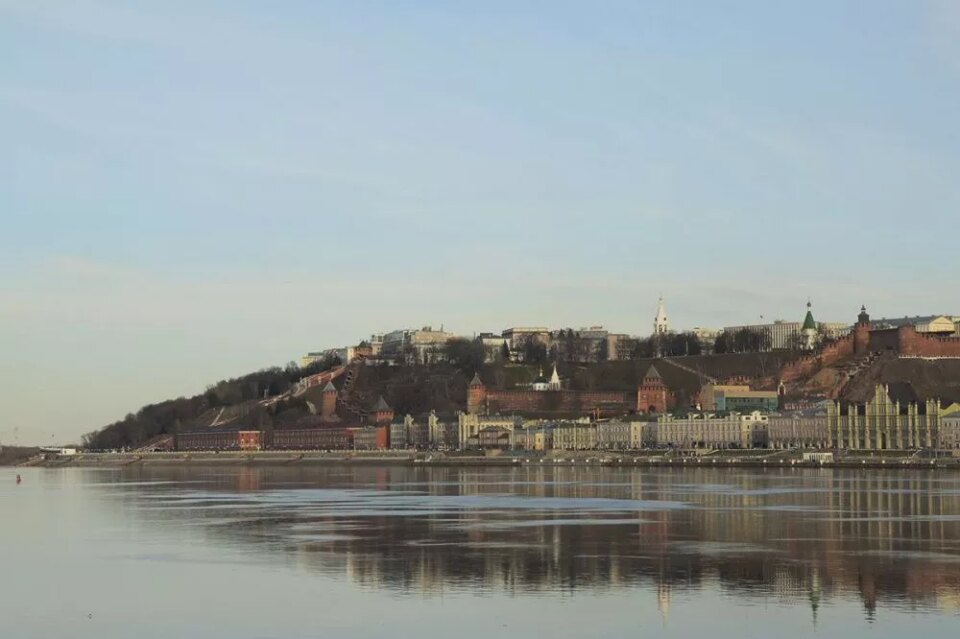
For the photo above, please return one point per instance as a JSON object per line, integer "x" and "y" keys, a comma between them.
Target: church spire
{"x": 554, "y": 379}
{"x": 660, "y": 325}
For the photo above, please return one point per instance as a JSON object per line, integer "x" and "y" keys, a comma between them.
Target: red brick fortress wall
{"x": 526, "y": 401}
{"x": 831, "y": 354}
{"x": 910, "y": 342}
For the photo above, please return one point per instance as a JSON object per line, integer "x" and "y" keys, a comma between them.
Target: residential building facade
{"x": 798, "y": 431}
{"x": 614, "y": 434}
{"x": 710, "y": 431}
{"x": 888, "y": 421}
{"x": 574, "y": 436}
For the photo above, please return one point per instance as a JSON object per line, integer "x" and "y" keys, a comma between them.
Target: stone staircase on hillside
{"x": 345, "y": 396}
{"x": 850, "y": 370}
{"x": 706, "y": 379}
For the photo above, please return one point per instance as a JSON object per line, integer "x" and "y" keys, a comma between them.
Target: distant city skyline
{"x": 193, "y": 191}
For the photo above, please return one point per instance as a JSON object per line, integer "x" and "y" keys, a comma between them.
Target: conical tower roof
{"x": 381, "y": 405}
{"x": 652, "y": 373}
{"x": 808, "y": 321}
{"x": 476, "y": 381}
{"x": 330, "y": 388}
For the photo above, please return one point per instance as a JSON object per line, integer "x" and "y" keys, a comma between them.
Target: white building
{"x": 660, "y": 324}
{"x": 543, "y": 384}
{"x": 492, "y": 346}
{"x": 424, "y": 344}
{"x": 936, "y": 324}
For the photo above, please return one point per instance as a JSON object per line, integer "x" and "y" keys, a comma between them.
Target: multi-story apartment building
{"x": 409, "y": 433}
{"x": 893, "y": 418}
{"x": 494, "y": 437}
{"x": 575, "y": 436}
{"x": 398, "y": 433}
{"x": 643, "y": 434}
{"x": 493, "y": 346}
{"x": 709, "y": 431}
{"x": 950, "y": 432}
{"x": 798, "y": 431}
{"x": 786, "y": 335}
{"x": 423, "y": 345}
{"x": 614, "y": 434}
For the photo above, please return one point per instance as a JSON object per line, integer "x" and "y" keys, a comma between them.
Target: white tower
{"x": 660, "y": 325}
{"x": 554, "y": 383}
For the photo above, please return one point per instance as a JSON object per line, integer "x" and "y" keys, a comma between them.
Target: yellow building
{"x": 893, "y": 419}
{"x": 574, "y": 436}
{"x": 709, "y": 431}
{"x": 470, "y": 426}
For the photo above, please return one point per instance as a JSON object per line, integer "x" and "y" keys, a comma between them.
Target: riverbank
{"x": 14, "y": 455}
{"x": 748, "y": 459}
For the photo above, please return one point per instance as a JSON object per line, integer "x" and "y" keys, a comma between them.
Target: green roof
{"x": 808, "y": 322}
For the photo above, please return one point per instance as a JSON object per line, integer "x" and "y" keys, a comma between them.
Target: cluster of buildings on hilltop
{"x": 594, "y": 343}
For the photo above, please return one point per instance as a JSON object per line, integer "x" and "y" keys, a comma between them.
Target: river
{"x": 358, "y": 551}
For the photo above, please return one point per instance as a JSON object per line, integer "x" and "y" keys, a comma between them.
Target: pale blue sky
{"x": 192, "y": 190}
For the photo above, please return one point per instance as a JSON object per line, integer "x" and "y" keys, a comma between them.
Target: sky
{"x": 192, "y": 190}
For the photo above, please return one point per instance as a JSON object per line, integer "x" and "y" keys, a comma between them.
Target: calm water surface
{"x": 553, "y": 552}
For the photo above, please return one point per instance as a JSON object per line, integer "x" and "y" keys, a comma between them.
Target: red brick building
{"x": 323, "y": 438}
{"x": 220, "y": 439}
{"x": 651, "y": 393}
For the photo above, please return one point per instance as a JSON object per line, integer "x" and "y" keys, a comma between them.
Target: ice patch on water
{"x": 717, "y": 548}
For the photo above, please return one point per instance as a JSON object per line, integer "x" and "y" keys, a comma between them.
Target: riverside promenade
{"x": 643, "y": 458}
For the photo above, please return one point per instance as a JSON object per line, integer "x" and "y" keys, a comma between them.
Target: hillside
{"x": 244, "y": 398}
{"x": 292, "y": 397}
{"x": 926, "y": 378}
{"x": 271, "y": 398}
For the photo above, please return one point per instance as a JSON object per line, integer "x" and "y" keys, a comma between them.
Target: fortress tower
{"x": 652, "y": 395}
{"x": 381, "y": 413}
{"x": 476, "y": 396}
{"x": 328, "y": 407}
{"x": 861, "y": 333}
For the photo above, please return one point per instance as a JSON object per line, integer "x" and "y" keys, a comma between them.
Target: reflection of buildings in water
{"x": 794, "y": 535}
{"x": 248, "y": 479}
{"x": 663, "y": 601}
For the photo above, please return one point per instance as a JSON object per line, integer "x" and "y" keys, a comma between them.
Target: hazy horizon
{"x": 197, "y": 190}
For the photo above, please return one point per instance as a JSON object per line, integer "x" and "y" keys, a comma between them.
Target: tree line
{"x": 169, "y": 417}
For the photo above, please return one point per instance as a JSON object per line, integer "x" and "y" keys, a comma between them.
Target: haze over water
{"x": 433, "y": 552}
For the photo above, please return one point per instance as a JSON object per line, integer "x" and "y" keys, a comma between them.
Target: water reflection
{"x": 802, "y": 537}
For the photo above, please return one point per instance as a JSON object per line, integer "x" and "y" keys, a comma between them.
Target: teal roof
{"x": 808, "y": 321}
